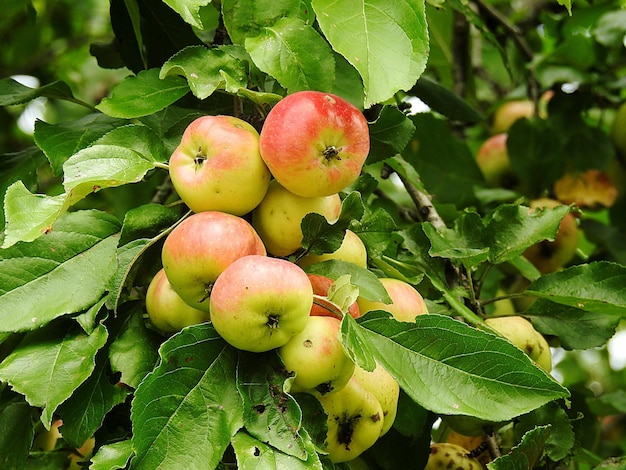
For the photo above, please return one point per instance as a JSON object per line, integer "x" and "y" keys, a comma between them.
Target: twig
{"x": 460, "y": 53}
{"x": 163, "y": 191}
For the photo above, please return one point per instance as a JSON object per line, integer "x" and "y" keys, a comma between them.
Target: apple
{"x": 406, "y": 302}
{"x": 278, "y": 217}
{"x": 317, "y": 357}
{"x": 384, "y": 387}
{"x": 355, "y": 420}
{"x": 321, "y": 284}
{"x": 549, "y": 256}
{"x": 591, "y": 189}
{"x": 80, "y": 458}
{"x": 618, "y": 129}
{"x": 314, "y": 143}
{"x": 522, "y": 334}
{"x": 352, "y": 249}
{"x": 46, "y": 439}
{"x": 201, "y": 247}
{"x": 167, "y": 311}
{"x": 259, "y": 303}
{"x": 217, "y": 166}
{"x": 493, "y": 160}
{"x": 447, "y": 455}
{"x": 509, "y": 112}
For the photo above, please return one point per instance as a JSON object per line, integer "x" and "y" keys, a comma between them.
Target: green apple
{"x": 314, "y": 143}
{"x": 352, "y": 249}
{"x": 384, "y": 387}
{"x": 218, "y": 167}
{"x": 406, "y": 302}
{"x": 167, "y": 311}
{"x": 317, "y": 358}
{"x": 549, "y": 256}
{"x": 355, "y": 420}
{"x": 322, "y": 306}
{"x": 618, "y": 129}
{"x": 522, "y": 334}
{"x": 278, "y": 217}
{"x": 201, "y": 247}
{"x": 446, "y": 455}
{"x": 259, "y": 303}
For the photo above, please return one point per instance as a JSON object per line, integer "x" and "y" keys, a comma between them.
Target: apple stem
{"x": 163, "y": 166}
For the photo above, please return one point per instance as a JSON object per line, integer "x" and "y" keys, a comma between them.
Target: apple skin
{"x": 509, "y": 112}
{"x": 320, "y": 285}
{"x": 355, "y": 420}
{"x": 278, "y": 217}
{"x": 550, "y": 256}
{"x": 217, "y": 166}
{"x": 314, "y": 143}
{"x": 317, "y": 357}
{"x": 447, "y": 455}
{"x": 591, "y": 189}
{"x": 259, "y": 303}
{"x": 522, "y": 334}
{"x": 618, "y": 129}
{"x": 46, "y": 439}
{"x": 385, "y": 389}
{"x": 406, "y": 302}
{"x": 167, "y": 311}
{"x": 493, "y": 160}
{"x": 201, "y": 247}
{"x": 352, "y": 249}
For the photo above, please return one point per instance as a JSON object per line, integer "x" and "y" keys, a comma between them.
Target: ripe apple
{"x": 618, "y": 129}
{"x": 591, "y": 189}
{"x": 447, "y": 455}
{"x": 522, "y": 334}
{"x": 317, "y": 357}
{"x": 314, "y": 143}
{"x": 384, "y": 387}
{"x": 201, "y": 247}
{"x": 278, "y": 217}
{"x": 217, "y": 166}
{"x": 509, "y": 112}
{"x": 355, "y": 420}
{"x": 169, "y": 313}
{"x": 493, "y": 160}
{"x": 406, "y": 302}
{"x": 549, "y": 256}
{"x": 259, "y": 303}
{"x": 352, "y": 249}
{"x": 321, "y": 284}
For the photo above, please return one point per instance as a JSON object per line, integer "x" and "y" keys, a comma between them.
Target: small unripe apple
{"x": 259, "y": 303}
{"x": 549, "y": 256}
{"x": 278, "y": 217}
{"x": 218, "y": 166}
{"x": 384, "y": 387}
{"x": 590, "y": 189}
{"x": 406, "y": 302}
{"x": 352, "y": 249}
{"x": 446, "y": 455}
{"x": 201, "y": 247}
{"x": 355, "y": 420}
{"x": 321, "y": 285}
{"x": 317, "y": 357}
{"x": 314, "y": 143}
{"x": 167, "y": 311}
{"x": 522, "y": 334}
{"x": 493, "y": 160}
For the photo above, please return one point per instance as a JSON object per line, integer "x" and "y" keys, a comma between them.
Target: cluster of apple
{"x": 229, "y": 262}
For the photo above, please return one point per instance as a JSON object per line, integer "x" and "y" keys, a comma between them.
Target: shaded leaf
{"x": 444, "y": 101}
{"x": 561, "y": 438}
{"x": 12, "y": 92}
{"x": 526, "y": 454}
{"x": 389, "y": 134}
{"x": 16, "y": 434}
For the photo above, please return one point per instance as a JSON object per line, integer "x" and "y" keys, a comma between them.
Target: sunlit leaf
{"x": 112, "y": 456}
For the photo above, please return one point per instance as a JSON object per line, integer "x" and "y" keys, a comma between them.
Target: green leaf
{"x": 448, "y": 367}
{"x": 12, "y": 92}
{"x": 295, "y": 54}
{"x": 83, "y": 413}
{"x": 147, "y": 221}
{"x": 389, "y": 134}
{"x": 369, "y": 286}
{"x": 190, "y": 398}
{"x": 245, "y": 18}
{"x": 512, "y": 228}
{"x": 444, "y": 101}
{"x": 189, "y": 10}
{"x": 561, "y": 439}
{"x": 387, "y": 42}
{"x": 16, "y": 434}
{"x": 143, "y": 94}
{"x": 60, "y": 141}
{"x": 207, "y": 70}
{"x": 269, "y": 414}
{"x": 355, "y": 345}
{"x": 575, "y": 328}
{"x": 596, "y": 287}
{"x": 374, "y": 229}
{"x": 526, "y": 454}
{"x": 133, "y": 353}
{"x": 50, "y": 363}
{"x": 37, "y": 277}
{"x": 112, "y": 456}
{"x": 139, "y": 138}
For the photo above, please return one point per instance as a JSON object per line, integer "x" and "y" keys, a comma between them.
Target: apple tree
{"x": 493, "y": 192}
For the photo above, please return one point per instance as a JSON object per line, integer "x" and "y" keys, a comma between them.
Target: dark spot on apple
{"x": 325, "y": 388}
{"x": 345, "y": 431}
{"x": 257, "y": 451}
{"x": 307, "y": 343}
{"x": 260, "y": 408}
{"x": 189, "y": 359}
{"x": 546, "y": 249}
{"x": 376, "y": 417}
